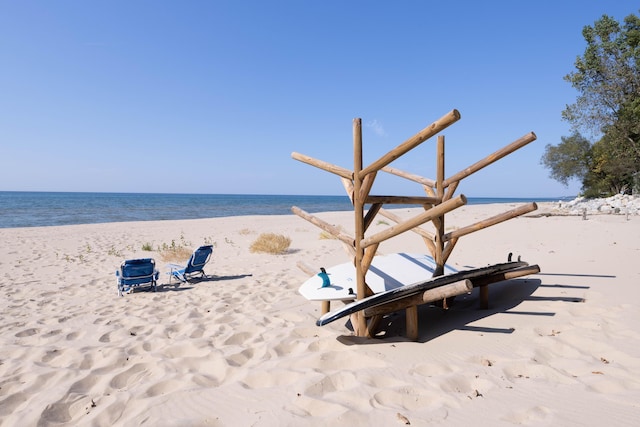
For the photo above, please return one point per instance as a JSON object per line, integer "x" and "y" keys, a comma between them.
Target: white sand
{"x": 561, "y": 348}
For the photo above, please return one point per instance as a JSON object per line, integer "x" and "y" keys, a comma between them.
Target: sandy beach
{"x": 560, "y": 348}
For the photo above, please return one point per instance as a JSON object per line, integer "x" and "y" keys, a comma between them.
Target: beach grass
{"x": 271, "y": 243}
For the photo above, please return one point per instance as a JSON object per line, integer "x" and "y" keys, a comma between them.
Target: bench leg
{"x": 325, "y": 307}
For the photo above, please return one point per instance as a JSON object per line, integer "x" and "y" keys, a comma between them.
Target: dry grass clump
{"x": 271, "y": 243}
{"x": 174, "y": 252}
{"x": 326, "y": 236}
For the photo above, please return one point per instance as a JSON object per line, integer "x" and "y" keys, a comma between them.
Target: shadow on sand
{"x": 465, "y": 310}
{"x": 181, "y": 286}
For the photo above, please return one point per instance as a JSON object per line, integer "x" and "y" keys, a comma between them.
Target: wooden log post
{"x": 439, "y": 258}
{"x": 414, "y": 222}
{"x": 360, "y": 324}
{"x": 413, "y": 330}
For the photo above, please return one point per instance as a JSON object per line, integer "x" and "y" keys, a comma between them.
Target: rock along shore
{"x": 620, "y": 204}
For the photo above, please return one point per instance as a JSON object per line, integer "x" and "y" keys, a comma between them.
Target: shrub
{"x": 174, "y": 252}
{"x": 271, "y": 243}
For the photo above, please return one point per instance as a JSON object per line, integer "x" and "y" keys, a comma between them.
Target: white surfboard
{"x": 386, "y": 272}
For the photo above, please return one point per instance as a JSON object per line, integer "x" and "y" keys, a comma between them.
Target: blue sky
{"x": 213, "y": 96}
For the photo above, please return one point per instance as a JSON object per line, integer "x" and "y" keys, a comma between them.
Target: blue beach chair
{"x": 134, "y": 273}
{"x": 194, "y": 266}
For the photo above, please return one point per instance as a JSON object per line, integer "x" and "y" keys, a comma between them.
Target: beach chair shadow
{"x": 136, "y": 273}
{"x": 168, "y": 287}
{"x": 193, "y": 267}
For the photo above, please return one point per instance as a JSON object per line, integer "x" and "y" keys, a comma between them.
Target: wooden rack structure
{"x": 439, "y": 200}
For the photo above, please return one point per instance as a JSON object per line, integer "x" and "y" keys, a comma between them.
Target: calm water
{"x": 34, "y": 209}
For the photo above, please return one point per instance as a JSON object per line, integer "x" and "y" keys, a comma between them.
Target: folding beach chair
{"x": 134, "y": 273}
{"x": 194, "y": 266}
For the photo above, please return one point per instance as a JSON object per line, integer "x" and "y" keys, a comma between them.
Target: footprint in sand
{"x": 132, "y": 375}
{"x": 87, "y": 362}
{"x": 163, "y": 387}
{"x": 432, "y": 369}
{"x": 238, "y": 339}
{"x": 339, "y": 381}
{"x": 50, "y": 355}
{"x": 84, "y": 385}
{"x": 241, "y": 358}
{"x": 272, "y": 378}
{"x": 529, "y": 415}
{"x": 73, "y": 336}
{"x": 413, "y": 399}
{"x": 27, "y": 332}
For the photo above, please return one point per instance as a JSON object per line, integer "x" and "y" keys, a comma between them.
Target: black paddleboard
{"x": 415, "y": 288}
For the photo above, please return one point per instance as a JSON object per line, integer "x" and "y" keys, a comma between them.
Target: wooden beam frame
{"x": 439, "y": 201}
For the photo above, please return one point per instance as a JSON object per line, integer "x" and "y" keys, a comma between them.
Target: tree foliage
{"x": 607, "y": 78}
{"x": 571, "y": 158}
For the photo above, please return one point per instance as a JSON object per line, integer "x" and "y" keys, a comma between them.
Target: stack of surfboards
{"x": 391, "y": 277}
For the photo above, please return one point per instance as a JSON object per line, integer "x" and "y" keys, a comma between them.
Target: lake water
{"x": 35, "y": 209}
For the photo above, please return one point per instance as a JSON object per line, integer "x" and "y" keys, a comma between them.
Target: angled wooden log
{"x": 367, "y": 183}
{"x": 451, "y": 189}
{"x": 369, "y": 254}
{"x": 372, "y": 326}
{"x": 519, "y": 143}
{"x": 395, "y": 218}
{"x": 432, "y": 295}
{"x": 367, "y": 259}
{"x": 340, "y": 171}
{"x": 306, "y": 268}
{"x": 334, "y": 231}
{"x": 521, "y": 210}
{"x": 348, "y": 187}
{"x": 416, "y": 221}
{"x": 349, "y": 249}
{"x": 410, "y": 176}
{"x": 371, "y": 214}
{"x": 426, "y": 236}
{"x": 426, "y": 133}
{"x": 448, "y": 248}
{"x": 507, "y": 275}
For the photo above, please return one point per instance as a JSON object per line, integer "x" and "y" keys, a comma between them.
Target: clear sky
{"x": 213, "y": 96}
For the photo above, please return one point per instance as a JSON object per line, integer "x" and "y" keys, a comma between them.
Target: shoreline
{"x": 560, "y": 347}
{"x": 49, "y": 209}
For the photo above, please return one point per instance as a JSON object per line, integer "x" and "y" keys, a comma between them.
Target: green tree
{"x": 569, "y": 159}
{"x": 607, "y": 78}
